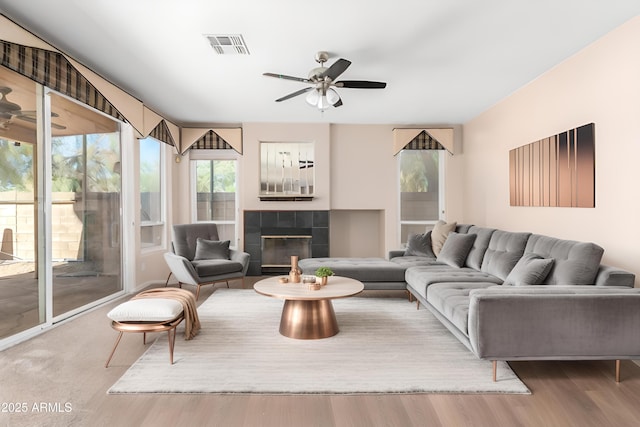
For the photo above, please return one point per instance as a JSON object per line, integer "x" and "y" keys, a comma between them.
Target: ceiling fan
{"x": 322, "y": 80}
{"x": 9, "y": 109}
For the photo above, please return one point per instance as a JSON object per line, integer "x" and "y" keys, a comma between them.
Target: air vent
{"x": 228, "y": 44}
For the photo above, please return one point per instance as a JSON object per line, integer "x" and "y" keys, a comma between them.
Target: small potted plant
{"x": 322, "y": 273}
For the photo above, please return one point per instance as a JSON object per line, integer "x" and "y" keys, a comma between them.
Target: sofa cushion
{"x": 211, "y": 249}
{"x": 452, "y": 301}
{"x": 576, "y": 263}
{"x": 420, "y": 278}
{"x": 419, "y": 245}
{"x": 439, "y": 235}
{"x": 216, "y": 267}
{"x": 480, "y": 245}
{"x": 456, "y": 248}
{"x": 363, "y": 269}
{"x": 531, "y": 269}
{"x": 412, "y": 261}
{"x": 504, "y": 251}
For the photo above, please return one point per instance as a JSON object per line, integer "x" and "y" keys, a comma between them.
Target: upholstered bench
{"x": 147, "y": 315}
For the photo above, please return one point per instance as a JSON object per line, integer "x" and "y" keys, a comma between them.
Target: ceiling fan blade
{"x": 296, "y": 93}
{"x": 338, "y": 103}
{"x": 336, "y": 69}
{"x": 285, "y": 77}
{"x": 361, "y": 84}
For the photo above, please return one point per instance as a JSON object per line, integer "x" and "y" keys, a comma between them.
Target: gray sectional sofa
{"x": 513, "y": 296}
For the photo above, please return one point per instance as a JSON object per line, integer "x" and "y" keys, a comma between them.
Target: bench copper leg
{"x": 172, "y": 342}
{"x": 618, "y": 370}
{"x": 106, "y": 365}
{"x": 495, "y": 369}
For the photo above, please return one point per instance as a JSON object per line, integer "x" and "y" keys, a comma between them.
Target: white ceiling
{"x": 444, "y": 61}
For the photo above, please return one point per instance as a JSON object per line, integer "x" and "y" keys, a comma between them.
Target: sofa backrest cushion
{"x": 576, "y": 263}
{"x": 439, "y": 235}
{"x": 480, "y": 245}
{"x": 531, "y": 269}
{"x": 419, "y": 245}
{"x": 185, "y": 237}
{"x": 504, "y": 251}
{"x": 456, "y": 248}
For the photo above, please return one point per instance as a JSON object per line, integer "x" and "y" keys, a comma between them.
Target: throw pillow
{"x": 531, "y": 269}
{"x": 439, "y": 234}
{"x": 211, "y": 249}
{"x": 456, "y": 248}
{"x": 419, "y": 245}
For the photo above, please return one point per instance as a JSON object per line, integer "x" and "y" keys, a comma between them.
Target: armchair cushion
{"x": 211, "y": 249}
{"x": 216, "y": 267}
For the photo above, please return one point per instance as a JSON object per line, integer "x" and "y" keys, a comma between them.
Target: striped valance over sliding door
{"x": 53, "y": 70}
{"x": 211, "y": 141}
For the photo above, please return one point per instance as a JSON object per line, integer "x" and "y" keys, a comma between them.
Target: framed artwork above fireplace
{"x": 287, "y": 170}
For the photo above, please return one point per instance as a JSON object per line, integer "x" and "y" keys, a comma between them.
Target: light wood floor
{"x": 66, "y": 366}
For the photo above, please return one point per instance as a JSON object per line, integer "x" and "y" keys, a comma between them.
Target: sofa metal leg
{"x": 618, "y": 370}
{"x": 495, "y": 369}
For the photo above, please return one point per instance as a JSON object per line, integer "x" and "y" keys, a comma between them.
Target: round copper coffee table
{"x": 308, "y": 314}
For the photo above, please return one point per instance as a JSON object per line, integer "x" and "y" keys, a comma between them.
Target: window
{"x": 421, "y": 190}
{"x": 215, "y": 194}
{"x": 151, "y": 190}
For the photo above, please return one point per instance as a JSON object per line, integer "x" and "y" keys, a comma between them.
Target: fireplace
{"x": 272, "y": 237}
{"x": 277, "y": 246}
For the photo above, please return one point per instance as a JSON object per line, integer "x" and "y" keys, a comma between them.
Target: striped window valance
{"x": 423, "y": 141}
{"x": 211, "y": 141}
{"x": 53, "y": 70}
{"x": 161, "y": 133}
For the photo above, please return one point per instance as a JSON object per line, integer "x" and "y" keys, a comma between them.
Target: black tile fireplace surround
{"x": 257, "y": 223}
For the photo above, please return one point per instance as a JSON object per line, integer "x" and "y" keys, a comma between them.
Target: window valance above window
{"x": 212, "y": 139}
{"x": 422, "y": 139}
{"x": 161, "y": 133}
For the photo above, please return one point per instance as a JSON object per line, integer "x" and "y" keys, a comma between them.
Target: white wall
{"x": 600, "y": 84}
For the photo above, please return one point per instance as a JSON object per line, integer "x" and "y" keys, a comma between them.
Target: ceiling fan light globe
{"x": 323, "y": 103}
{"x": 332, "y": 96}
{"x": 312, "y": 98}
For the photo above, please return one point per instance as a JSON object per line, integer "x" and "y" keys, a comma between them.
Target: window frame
{"x": 210, "y": 155}
{"x": 441, "y": 195}
{"x": 162, "y": 223}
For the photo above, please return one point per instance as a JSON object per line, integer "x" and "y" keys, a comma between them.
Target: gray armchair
{"x": 200, "y": 258}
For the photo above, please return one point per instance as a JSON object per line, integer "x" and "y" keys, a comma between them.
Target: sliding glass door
{"x": 60, "y": 207}
{"x": 86, "y": 191}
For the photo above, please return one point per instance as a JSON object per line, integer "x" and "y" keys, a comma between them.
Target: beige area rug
{"x": 384, "y": 345}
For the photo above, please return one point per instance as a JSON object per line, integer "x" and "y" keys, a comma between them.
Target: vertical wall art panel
{"x": 555, "y": 171}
